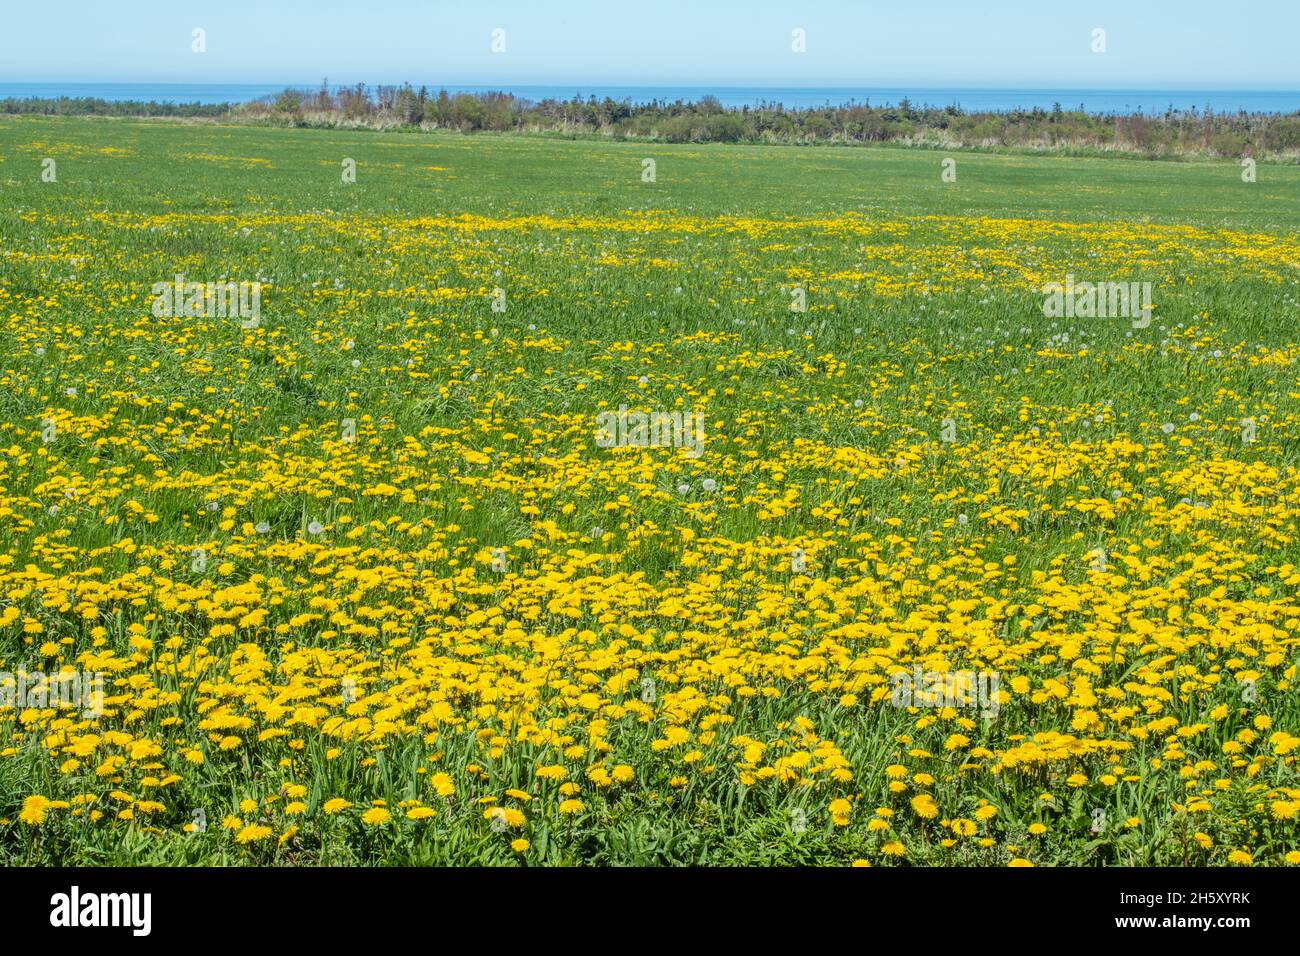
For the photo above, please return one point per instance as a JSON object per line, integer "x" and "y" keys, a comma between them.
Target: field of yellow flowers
{"x": 365, "y": 584}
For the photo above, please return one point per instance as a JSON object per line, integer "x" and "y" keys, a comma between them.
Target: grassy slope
{"x": 526, "y": 175}
{"x": 700, "y": 308}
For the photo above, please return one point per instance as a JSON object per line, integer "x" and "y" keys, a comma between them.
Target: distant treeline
{"x": 1172, "y": 133}
{"x": 91, "y": 106}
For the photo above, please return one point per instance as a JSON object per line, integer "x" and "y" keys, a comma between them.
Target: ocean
{"x": 969, "y": 99}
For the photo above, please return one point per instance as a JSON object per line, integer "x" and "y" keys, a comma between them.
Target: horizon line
{"x": 674, "y": 85}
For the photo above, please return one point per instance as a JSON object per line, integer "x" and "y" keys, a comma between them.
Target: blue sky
{"x": 1164, "y": 44}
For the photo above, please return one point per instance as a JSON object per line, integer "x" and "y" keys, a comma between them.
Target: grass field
{"x": 366, "y": 586}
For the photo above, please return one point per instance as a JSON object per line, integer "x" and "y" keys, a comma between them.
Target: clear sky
{"x": 1164, "y": 44}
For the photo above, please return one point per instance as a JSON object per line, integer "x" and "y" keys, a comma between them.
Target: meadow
{"x": 365, "y": 587}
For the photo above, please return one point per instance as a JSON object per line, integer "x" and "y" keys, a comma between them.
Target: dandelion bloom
{"x": 925, "y": 806}
{"x": 252, "y": 833}
{"x": 840, "y": 811}
{"x": 33, "y": 811}
{"x": 963, "y": 827}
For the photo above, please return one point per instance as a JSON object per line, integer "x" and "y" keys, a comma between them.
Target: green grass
{"x": 514, "y": 175}
{"x": 475, "y": 431}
